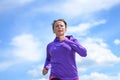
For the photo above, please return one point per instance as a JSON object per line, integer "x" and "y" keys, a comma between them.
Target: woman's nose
{"x": 59, "y": 26}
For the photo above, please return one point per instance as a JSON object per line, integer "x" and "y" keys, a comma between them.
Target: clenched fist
{"x": 44, "y": 71}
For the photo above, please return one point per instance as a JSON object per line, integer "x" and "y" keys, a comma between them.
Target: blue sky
{"x": 25, "y": 30}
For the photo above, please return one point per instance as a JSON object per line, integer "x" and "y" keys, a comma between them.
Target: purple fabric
{"x": 61, "y": 57}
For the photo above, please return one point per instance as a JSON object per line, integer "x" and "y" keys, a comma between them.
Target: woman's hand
{"x": 44, "y": 71}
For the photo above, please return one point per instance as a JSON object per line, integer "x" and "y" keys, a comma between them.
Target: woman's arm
{"x": 76, "y": 46}
{"x": 47, "y": 64}
{"x": 47, "y": 61}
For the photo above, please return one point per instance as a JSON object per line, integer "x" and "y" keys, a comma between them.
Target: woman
{"x": 61, "y": 54}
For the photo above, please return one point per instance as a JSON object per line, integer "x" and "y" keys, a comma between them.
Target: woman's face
{"x": 59, "y": 28}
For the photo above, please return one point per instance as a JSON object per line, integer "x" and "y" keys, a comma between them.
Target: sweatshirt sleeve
{"x": 47, "y": 64}
{"x": 76, "y": 46}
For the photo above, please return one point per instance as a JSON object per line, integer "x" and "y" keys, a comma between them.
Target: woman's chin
{"x": 62, "y": 34}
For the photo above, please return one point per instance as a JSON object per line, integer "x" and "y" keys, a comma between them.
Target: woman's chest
{"x": 58, "y": 49}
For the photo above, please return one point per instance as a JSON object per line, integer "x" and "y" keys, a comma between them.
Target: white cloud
{"x": 84, "y": 27}
{"x": 80, "y": 7}
{"x": 36, "y": 73}
{"x": 42, "y": 79}
{"x": 10, "y": 4}
{"x": 26, "y": 48}
{"x": 98, "y": 53}
{"x": 95, "y": 76}
{"x": 81, "y": 69}
{"x": 117, "y": 41}
{"x": 99, "y": 76}
{"x": 5, "y": 65}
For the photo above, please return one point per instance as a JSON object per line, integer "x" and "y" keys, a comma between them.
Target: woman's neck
{"x": 61, "y": 38}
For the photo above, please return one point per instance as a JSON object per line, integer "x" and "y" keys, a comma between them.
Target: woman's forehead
{"x": 59, "y": 22}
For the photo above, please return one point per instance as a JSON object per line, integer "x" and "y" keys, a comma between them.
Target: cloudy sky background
{"x": 25, "y": 30}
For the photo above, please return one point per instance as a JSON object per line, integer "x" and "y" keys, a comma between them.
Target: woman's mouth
{"x": 60, "y": 30}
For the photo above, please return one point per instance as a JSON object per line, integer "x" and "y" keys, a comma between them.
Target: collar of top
{"x": 66, "y": 37}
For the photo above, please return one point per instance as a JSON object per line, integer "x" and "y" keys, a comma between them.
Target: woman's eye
{"x": 57, "y": 26}
{"x": 61, "y": 25}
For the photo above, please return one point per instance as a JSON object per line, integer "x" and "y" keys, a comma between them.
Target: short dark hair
{"x": 59, "y": 20}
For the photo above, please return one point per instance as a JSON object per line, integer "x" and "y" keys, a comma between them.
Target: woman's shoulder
{"x": 50, "y": 43}
{"x": 70, "y": 37}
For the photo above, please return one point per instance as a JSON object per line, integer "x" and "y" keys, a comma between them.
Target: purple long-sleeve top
{"x": 61, "y": 57}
